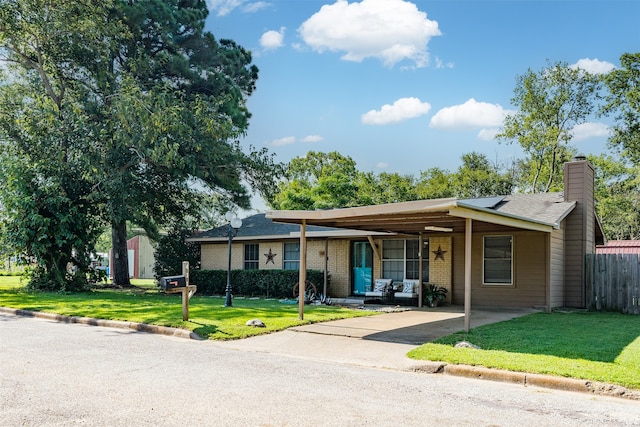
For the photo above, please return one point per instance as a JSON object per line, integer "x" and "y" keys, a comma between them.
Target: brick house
{"x": 520, "y": 250}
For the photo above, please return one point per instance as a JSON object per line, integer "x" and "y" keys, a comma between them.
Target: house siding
{"x": 557, "y": 268}
{"x": 529, "y": 272}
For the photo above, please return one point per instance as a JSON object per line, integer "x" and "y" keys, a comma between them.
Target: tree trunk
{"x": 120, "y": 256}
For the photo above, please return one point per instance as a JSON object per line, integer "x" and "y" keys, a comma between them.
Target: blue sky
{"x": 403, "y": 86}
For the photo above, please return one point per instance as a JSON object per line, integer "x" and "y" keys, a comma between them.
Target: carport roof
{"x": 538, "y": 212}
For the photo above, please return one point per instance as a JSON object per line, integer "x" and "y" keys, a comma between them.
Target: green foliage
{"x": 317, "y": 181}
{"x": 434, "y": 294}
{"x": 122, "y": 111}
{"x": 324, "y": 181}
{"x": 550, "y": 103}
{"x": 624, "y": 101}
{"x": 268, "y": 283}
{"x": 478, "y": 178}
{"x": 617, "y": 192}
{"x": 172, "y": 250}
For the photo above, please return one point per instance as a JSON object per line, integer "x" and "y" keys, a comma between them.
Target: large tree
{"x": 164, "y": 104}
{"x": 317, "y": 181}
{"x": 551, "y": 102}
{"x": 46, "y": 145}
{"x": 623, "y": 100}
{"x": 617, "y": 192}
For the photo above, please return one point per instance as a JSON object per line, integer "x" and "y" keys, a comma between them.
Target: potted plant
{"x": 434, "y": 294}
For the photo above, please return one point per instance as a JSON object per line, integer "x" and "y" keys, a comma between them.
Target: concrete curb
{"x": 140, "y": 327}
{"x": 468, "y": 371}
{"x": 539, "y": 380}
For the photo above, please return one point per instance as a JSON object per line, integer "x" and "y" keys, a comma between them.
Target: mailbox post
{"x": 180, "y": 284}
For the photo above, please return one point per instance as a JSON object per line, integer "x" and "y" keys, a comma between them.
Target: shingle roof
{"x": 257, "y": 226}
{"x": 550, "y": 208}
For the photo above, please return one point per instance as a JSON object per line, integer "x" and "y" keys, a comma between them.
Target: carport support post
{"x": 420, "y": 272}
{"x": 467, "y": 274}
{"x": 302, "y": 278}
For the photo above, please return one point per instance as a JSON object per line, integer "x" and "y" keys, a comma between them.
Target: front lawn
{"x": 207, "y": 315}
{"x": 594, "y": 346}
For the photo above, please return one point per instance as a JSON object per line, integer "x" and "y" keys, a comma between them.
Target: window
{"x": 251, "y": 256}
{"x": 291, "y": 260}
{"x": 401, "y": 259}
{"x": 497, "y": 267}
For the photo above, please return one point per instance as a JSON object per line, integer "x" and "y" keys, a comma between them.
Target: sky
{"x": 404, "y": 86}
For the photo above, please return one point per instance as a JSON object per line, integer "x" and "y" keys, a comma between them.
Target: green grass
{"x": 593, "y": 346}
{"x": 207, "y": 315}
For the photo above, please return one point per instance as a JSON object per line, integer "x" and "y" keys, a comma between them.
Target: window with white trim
{"x": 401, "y": 259}
{"x": 497, "y": 260}
{"x": 291, "y": 258}
{"x": 251, "y": 256}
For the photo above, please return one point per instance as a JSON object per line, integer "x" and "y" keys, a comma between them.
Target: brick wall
{"x": 440, "y": 271}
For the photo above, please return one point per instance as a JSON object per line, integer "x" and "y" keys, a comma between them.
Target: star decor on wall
{"x": 439, "y": 254}
{"x": 270, "y": 256}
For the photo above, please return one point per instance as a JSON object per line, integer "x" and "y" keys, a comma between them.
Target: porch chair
{"x": 409, "y": 294}
{"x": 380, "y": 287}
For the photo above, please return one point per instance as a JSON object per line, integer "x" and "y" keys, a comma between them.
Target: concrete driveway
{"x": 378, "y": 341}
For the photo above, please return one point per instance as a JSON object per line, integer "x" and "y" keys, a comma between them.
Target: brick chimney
{"x": 580, "y": 227}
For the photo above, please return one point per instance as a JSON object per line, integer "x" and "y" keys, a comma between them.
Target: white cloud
{"x": 440, "y": 64}
{"x": 589, "y": 130}
{"x": 402, "y": 109}
{"x": 382, "y": 165}
{"x": 312, "y": 138}
{"x": 593, "y": 66}
{"x": 287, "y": 140}
{"x": 255, "y": 6}
{"x": 488, "y": 134}
{"x": 225, "y": 7}
{"x": 471, "y": 114}
{"x": 272, "y": 39}
{"x": 389, "y": 30}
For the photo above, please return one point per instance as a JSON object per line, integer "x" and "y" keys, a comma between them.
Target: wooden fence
{"x": 613, "y": 282}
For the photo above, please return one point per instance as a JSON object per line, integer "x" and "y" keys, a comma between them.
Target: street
{"x": 56, "y": 374}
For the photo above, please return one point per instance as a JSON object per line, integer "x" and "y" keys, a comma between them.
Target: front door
{"x": 362, "y": 265}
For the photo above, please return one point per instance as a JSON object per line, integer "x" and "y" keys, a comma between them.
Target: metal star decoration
{"x": 439, "y": 254}
{"x": 270, "y": 257}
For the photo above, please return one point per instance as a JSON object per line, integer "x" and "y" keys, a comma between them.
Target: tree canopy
{"x": 551, "y": 102}
{"x": 149, "y": 105}
{"x": 331, "y": 180}
{"x": 623, "y": 101}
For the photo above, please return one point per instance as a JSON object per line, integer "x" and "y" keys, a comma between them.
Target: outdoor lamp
{"x": 234, "y": 224}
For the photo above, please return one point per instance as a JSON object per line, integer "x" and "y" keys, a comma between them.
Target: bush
{"x": 172, "y": 249}
{"x": 252, "y": 283}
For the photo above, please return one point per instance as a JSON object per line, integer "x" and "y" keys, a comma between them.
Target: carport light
{"x": 434, "y": 228}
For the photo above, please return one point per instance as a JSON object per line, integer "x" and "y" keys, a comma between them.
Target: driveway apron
{"x": 377, "y": 341}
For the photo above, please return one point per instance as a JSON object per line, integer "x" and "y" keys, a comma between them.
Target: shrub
{"x": 252, "y": 283}
{"x": 172, "y": 249}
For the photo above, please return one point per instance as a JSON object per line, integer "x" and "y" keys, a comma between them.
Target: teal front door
{"x": 362, "y": 266}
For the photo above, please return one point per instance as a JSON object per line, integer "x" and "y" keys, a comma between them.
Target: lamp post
{"x": 234, "y": 224}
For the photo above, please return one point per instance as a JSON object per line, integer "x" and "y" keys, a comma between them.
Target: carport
{"x": 420, "y": 218}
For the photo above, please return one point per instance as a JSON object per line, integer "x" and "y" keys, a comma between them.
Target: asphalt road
{"x": 68, "y": 374}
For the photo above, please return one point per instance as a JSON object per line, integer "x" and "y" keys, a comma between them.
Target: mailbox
{"x": 172, "y": 282}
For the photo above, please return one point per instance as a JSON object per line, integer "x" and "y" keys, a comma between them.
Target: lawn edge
{"x": 136, "y": 326}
